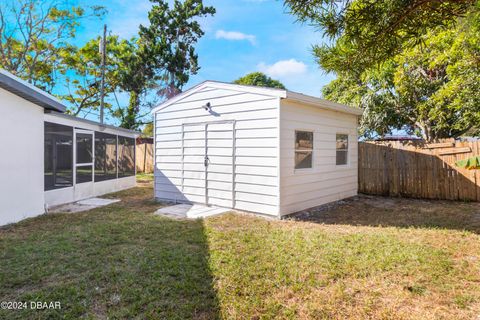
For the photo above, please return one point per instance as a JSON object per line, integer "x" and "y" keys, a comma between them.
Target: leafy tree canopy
{"x": 162, "y": 58}
{"x": 430, "y": 89}
{"x": 35, "y": 34}
{"x": 80, "y": 74}
{"x": 366, "y": 32}
{"x": 259, "y": 79}
{"x": 168, "y": 43}
{"x": 35, "y": 39}
{"x": 148, "y": 130}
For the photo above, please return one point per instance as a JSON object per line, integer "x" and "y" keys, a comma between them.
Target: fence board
{"x": 144, "y": 158}
{"x": 418, "y": 170}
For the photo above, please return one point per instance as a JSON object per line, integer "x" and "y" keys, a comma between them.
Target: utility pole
{"x": 103, "y": 52}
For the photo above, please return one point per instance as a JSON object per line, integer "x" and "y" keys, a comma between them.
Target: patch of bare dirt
{"x": 398, "y": 212}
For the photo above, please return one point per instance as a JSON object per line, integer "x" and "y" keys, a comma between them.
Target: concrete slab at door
{"x": 84, "y": 205}
{"x": 187, "y": 211}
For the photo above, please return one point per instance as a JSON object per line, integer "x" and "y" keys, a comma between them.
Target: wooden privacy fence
{"x": 144, "y": 158}
{"x": 418, "y": 170}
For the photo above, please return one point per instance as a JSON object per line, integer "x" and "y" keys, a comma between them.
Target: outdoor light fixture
{"x": 208, "y": 106}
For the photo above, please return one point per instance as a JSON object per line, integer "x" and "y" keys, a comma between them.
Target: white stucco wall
{"x": 21, "y": 158}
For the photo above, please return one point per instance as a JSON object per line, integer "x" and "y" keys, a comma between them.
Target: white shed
{"x": 49, "y": 158}
{"x": 263, "y": 150}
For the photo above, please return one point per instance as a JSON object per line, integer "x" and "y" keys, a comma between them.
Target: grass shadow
{"x": 119, "y": 261}
{"x": 378, "y": 211}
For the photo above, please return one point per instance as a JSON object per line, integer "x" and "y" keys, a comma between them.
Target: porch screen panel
{"x": 126, "y": 157}
{"x": 105, "y": 156}
{"x": 58, "y": 156}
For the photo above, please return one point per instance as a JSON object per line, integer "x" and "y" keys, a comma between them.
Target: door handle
{"x": 206, "y": 161}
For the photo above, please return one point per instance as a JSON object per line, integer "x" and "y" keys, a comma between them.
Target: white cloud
{"x": 283, "y": 68}
{"x": 235, "y": 36}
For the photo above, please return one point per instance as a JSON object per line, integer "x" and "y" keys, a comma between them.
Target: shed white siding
{"x": 240, "y": 134}
{"x": 234, "y": 146}
{"x": 21, "y": 160}
{"x": 326, "y": 181}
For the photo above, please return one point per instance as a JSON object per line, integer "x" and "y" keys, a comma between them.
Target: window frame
{"x": 347, "y": 150}
{"x": 295, "y": 150}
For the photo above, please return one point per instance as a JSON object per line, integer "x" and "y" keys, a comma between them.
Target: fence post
{"x": 144, "y": 157}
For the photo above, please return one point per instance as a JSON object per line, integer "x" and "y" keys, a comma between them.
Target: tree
{"x": 148, "y": 130}
{"x": 170, "y": 41}
{"x": 259, "y": 79}
{"x": 366, "y": 32}
{"x": 163, "y": 57}
{"x": 430, "y": 89}
{"x": 80, "y": 73}
{"x": 34, "y": 34}
{"x": 34, "y": 45}
{"x": 136, "y": 77}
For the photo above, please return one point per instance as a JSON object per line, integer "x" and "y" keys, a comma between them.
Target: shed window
{"x": 105, "y": 156}
{"x": 126, "y": 157}
{"x": 342, "y": 149}
{"x": 58, "y": 156}
{"x": 303, "y": 149}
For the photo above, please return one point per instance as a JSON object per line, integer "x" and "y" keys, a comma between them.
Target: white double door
{"x": 208, "y": 163}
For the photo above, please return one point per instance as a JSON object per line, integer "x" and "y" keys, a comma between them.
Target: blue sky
{"x": 244, "y": 36}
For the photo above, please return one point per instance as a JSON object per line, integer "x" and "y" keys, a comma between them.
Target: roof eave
{"x": 95, "y": 123}
{"x": 221, "y": 85}
{"x": 322, "y": 103}
{"x": 27, "y": 92}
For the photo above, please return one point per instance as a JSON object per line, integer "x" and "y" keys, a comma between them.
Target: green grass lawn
{"x": 144, "y": 177}
{"x": 123, "y": 262}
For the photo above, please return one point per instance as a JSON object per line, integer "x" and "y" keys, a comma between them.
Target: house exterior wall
{"x": 21, "y": 160}
{"x": 68, "y": 195}
{"x": 325, "y": 182}
{"x": 255, "y": 144}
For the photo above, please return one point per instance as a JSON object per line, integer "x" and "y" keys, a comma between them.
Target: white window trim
{"x": 303, "y": 170}
{"x": 348, "y": 150}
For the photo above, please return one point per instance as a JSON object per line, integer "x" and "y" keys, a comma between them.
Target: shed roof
{"x": 29, "y": 92}
{"x": 274, "y": 92}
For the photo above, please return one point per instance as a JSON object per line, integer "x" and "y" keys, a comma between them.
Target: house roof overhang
{"x": 29, "y": 92}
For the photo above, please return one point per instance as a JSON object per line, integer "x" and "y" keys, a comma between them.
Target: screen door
{"x": 83, "y": 164}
